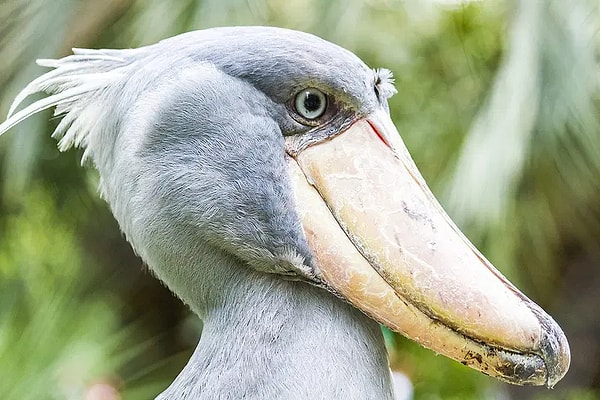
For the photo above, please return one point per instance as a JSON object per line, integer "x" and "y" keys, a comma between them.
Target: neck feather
{"x": 267, "y": 338}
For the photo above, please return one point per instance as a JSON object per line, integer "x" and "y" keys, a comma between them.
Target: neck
{"x": 267, "y": 338}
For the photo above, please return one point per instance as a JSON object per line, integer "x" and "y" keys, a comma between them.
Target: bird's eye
{"x": 310, "y": 103}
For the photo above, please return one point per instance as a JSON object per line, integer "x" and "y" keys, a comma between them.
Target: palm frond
{"x": 543, "y": 106}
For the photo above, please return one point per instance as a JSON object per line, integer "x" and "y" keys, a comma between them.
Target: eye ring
{"x": 310, "y": 103}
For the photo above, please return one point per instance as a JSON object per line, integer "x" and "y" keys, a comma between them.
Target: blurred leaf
{"x": 53, "y": 335}
{"x": 498, "y": 103}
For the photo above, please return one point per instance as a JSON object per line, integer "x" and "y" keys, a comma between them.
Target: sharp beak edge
{"x": 383, "y": 243}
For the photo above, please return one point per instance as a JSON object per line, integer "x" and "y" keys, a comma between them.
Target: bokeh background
{"x": 497, "y": 101}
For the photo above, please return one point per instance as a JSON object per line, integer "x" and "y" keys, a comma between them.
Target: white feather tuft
{"x": 73, "y": 87}
{"x": 384, "y": 82}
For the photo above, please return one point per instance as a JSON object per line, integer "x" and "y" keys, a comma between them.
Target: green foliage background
{"x": 497, "y": 101}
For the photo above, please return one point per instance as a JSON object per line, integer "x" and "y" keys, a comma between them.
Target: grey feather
{"x": 187, "y": 136}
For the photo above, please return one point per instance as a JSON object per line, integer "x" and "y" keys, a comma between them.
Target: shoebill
{"x": 258, "y": 174}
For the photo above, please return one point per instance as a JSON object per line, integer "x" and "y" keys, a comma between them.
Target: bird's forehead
{"x": 279, "y": 61}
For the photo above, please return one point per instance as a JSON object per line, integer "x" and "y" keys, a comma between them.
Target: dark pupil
{"x": 312, "y": 102}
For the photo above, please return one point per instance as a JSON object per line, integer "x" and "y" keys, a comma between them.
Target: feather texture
{"x": 75, "y": 85}
{"x": 188, "y": 139}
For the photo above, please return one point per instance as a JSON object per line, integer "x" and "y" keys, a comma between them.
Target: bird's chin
{"x": 382, "y": 242}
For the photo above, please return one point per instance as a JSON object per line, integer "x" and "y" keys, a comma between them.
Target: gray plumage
{"x": 187, "y": 136}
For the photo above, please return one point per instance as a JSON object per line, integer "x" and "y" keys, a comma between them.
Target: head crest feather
{"x": 73, "y": 86}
